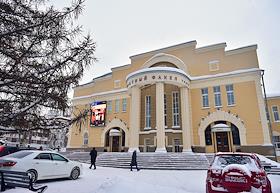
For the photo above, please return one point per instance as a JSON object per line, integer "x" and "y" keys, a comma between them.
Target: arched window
{"x": 208, "y": 137}
{"x": 86, "y": 138}
{"x": 107, "y": 139}
{"x": 123, "y": 138}
{"x": 235, "y": 135}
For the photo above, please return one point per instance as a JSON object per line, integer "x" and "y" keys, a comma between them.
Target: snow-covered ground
{"x": 114, "y": 180}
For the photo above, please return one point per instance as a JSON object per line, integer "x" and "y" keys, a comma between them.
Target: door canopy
{"x": 220, "y": 128}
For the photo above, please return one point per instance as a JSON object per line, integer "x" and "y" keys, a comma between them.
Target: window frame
{"x": 148, "y": 112}
{"x": 175, "y": 114}
{"x": 124, "y": 105}
{"x": 273, "y": 112}
{"x": 110, "y": 106}
{"x": 117, "y": 105}
{"x": 230, "y": 93}
{"x": 206, "y": 95}
{"x": 38, "y": 156}
{"x": 64, "y": 159}
{"x": 217, "y": 96}
{"x": 214, "y": 65}
{"x": 165, "y": 110}
{"x": 117, "y": 83}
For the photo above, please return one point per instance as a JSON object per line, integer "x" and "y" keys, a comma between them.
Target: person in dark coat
{"x": 93, "y": 155}
{"x": 134, "y": 161}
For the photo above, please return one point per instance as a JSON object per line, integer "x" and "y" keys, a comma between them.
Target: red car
{"x": 237, "y": 172}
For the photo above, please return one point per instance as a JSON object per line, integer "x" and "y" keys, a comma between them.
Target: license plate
{"x": 235, "y": 179}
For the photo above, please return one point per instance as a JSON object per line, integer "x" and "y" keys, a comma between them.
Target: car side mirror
{"x": 66, "y": 160}
{"x": 267, "y": 168}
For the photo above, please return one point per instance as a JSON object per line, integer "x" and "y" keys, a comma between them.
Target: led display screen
{"x": 98, "y": 112}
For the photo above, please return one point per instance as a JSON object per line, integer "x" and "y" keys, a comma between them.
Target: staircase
{"x": 274, "y": 169}
{"x": 162, "y": 161}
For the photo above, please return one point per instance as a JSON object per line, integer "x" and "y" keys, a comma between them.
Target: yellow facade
{"x": 169, "y": 83}
{"x": 273, "y": 103}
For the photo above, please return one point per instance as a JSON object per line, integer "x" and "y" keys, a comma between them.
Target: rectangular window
{"x": 205, "y": 100}
{"x": 109, "y": 106}
{"x": 148, "y": 112}
{"x": 124, "y": 105}
{"x": 175, "y": 109}
{"x": 230, "y": 94}
{"x": 214, "y": 65}
{"x": 275, "y": 114}
{"x": 217, "y": 96}
{"x": 117, "y": 83}
{"x": 117, "y": 106}
{"x": 165, "y": 111}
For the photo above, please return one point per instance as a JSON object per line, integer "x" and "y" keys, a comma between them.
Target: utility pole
{"x": 268, "y": 115}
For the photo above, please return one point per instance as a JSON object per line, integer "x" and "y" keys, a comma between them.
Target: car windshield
{"x": 19, "y": 154}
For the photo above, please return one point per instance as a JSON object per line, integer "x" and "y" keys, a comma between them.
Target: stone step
{"x": 171, "y": 161}
{"x": 162, "y": 161}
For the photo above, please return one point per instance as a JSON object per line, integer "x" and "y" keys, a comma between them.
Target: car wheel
{"x": 33, "y": 175}
{"x": 75, "y": 173}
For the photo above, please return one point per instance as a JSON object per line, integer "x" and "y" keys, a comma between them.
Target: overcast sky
{"x": 122, "y": 28}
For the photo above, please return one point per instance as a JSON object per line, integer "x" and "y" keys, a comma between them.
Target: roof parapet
{"x": 166, "y": 49}
{"x": 242, "y": 50}
{"x": 211, "y": 47}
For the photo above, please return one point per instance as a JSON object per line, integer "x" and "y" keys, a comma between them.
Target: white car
{"x": 41, "y": 165}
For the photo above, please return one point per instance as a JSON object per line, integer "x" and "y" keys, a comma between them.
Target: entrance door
{"x": 222, "y": 141}
{"x": 115, "y": 144}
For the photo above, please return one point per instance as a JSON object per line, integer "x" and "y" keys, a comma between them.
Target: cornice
{"x": 119, "y": 91}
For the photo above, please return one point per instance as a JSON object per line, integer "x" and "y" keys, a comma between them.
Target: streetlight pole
{"x": 268, "y": 115}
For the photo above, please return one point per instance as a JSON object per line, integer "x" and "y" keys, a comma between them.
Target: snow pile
{"x": 239, "y": 167}
{"x": 113, "y": 180}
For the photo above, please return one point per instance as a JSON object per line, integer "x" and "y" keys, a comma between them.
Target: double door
{"x": 222, "y": 141}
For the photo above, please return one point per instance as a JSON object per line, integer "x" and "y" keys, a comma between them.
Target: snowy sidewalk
{"x": 112, "y": 180}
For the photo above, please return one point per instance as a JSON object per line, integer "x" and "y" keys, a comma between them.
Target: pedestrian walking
{"x": 93, "y": 155}
{"x": 134, "y": 161}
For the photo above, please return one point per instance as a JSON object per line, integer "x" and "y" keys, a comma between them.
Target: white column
{"x": 185, "y": 116}
{"x": 160, "y": 117}
{"x": 135, "y": 106}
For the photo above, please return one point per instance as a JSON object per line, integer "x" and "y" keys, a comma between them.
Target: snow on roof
{"x": 220, "y": 125}
{"x": 156, "y": 69}
{"x": 225, "y": 74}
{"x": 273, "y": 95}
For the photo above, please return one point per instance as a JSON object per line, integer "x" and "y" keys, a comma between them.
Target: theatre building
{"x": 181, "y": 98}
